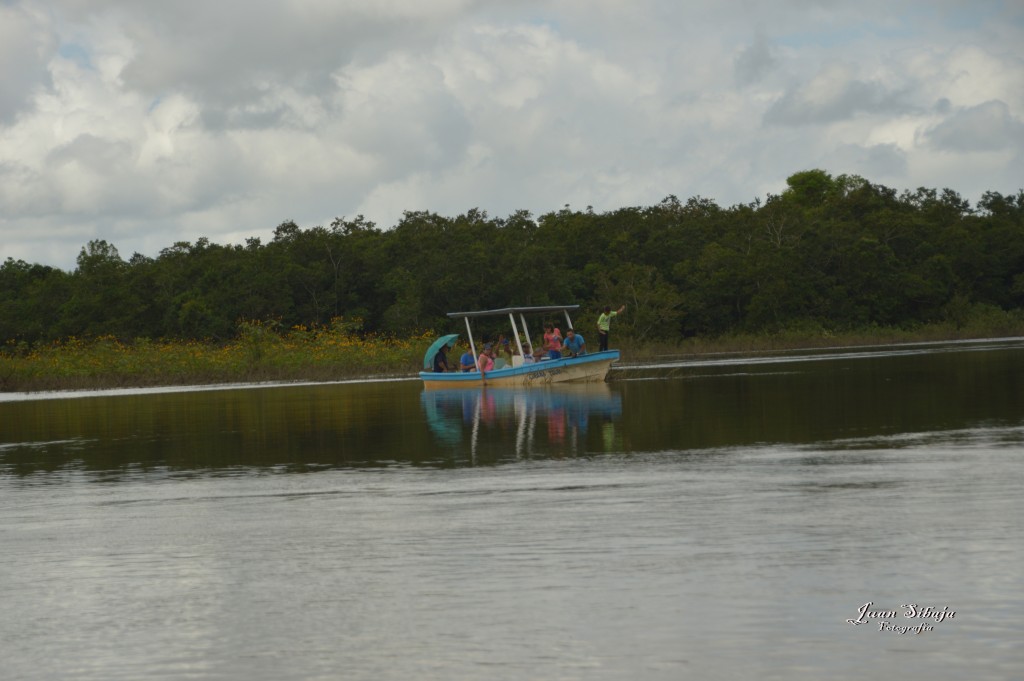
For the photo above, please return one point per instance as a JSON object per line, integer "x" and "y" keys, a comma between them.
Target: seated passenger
{"x": 466, "y": 362}
{"x": 441, "y": 360}
{"x": 528, "y": 357}
{"x": 485, "y": 362}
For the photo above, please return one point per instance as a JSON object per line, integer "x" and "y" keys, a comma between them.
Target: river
{"x": 835, "y": 514}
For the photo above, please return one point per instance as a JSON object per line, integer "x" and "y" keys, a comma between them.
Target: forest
{"x": 827, "y": 254}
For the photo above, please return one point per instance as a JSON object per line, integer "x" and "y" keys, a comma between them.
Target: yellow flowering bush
{"x": 260, "y": 351}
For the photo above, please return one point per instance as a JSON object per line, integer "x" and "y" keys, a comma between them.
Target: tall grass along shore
{"x": 260, "y": 352}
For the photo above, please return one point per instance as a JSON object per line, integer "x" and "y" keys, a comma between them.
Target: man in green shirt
{"x": 604, "y": 323}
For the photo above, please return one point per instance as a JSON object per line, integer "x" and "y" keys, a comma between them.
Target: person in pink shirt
{"x": 485, "y": 362}
{"x": 552, "y": 341}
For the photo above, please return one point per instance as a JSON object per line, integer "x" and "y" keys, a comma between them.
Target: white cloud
{"x": 147, "y": 122}
{"x": 400, "y": 111}
{"x": 27, "y": 45}
{"x": 974, "y": 75}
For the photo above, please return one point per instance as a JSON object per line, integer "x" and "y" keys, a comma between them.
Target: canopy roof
{"x": 537, "y": 309}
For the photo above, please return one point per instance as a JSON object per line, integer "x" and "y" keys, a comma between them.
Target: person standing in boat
{"x": 552, "y": 341}
{"x": 604, "y": 323}
{"x": 505, "y": 348}
{"x": 574, "y": 345}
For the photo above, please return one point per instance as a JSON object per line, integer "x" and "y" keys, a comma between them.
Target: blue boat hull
{"x": 591, "y": 367}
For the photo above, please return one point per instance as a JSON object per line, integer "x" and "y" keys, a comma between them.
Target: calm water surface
{"x": 716, "y": 519}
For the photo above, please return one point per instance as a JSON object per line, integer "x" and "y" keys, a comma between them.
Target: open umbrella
{"x": 428, "y": 359}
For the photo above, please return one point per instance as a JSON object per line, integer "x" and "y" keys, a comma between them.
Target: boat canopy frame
{"x": 512, "y": 312}
{"x": 529, "y": 309}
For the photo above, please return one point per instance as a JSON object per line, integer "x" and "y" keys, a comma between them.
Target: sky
{"x": 148, "y": 122}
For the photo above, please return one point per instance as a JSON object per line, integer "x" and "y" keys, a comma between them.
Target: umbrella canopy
{"x": 428, "y": 359}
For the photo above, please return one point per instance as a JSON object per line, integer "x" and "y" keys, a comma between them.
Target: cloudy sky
{"x": 146, "y": 122}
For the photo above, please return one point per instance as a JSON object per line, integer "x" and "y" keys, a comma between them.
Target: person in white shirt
{"x": 528, "y": 357}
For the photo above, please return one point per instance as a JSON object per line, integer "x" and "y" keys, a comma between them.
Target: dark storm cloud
{"x": 875, "y": 161}
{"x": 754, "y": 62}
{"x": 986, "y": 127}
{"x": 224, "y": 53}
{"x": 834, "y": 96}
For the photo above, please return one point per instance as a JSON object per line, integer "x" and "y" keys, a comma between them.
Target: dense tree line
{"x": 830, "y": 252}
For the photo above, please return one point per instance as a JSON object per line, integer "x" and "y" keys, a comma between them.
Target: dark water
{"x": 717, "y": 519}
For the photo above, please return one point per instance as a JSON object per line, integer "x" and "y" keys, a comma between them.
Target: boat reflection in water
{"x": 557, "y": 421}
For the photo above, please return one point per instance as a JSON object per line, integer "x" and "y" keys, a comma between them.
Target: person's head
{"x": 570, "y": 333}
{"x": 487, "y": 349}
{"x": 549, "y": 327}
{"x": 607, "y": 309}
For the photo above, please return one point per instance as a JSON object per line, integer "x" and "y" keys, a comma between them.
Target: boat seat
{"x": 499, "y": 363}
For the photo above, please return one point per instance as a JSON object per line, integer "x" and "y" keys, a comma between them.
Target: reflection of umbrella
{"x": 428, "y": 359}
{"x": 447, "y": 430}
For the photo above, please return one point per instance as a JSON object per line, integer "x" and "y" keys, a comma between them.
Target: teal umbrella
{"x": 428, "y": 359}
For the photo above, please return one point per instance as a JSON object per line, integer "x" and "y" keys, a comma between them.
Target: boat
{"x": 584, "y": 368}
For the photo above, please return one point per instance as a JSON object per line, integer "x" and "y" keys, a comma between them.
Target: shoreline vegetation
{"x": 831, "y": 262}
{"x": 261, "y": 353}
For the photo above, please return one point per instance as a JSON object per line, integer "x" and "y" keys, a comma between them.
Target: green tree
{"x": 653, "y": 304}
{"x": 30, "y": 300}
{"x": 102, "y": 301}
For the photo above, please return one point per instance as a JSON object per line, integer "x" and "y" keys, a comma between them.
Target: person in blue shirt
{"x": 574, "y": 345}
{"x": 466, "y": 362}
